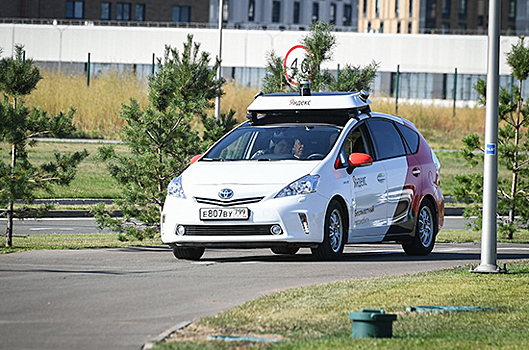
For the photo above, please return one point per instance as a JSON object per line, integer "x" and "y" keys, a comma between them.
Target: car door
{"x": 368, "y": 190}
{"x": 391, "y": 153}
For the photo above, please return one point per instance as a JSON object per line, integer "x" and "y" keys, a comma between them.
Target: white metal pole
{"x": 490, "y": 168}
{"x": 217, "y": 99}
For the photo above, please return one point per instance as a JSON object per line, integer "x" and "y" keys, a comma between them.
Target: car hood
{"x": 249, "y": 178}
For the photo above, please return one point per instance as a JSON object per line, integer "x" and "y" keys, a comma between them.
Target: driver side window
{"x": 356, "y": 142}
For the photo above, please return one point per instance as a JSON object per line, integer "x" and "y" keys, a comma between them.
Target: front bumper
{"x": 295, "y": 215}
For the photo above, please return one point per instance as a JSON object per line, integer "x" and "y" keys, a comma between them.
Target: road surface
{"x": 122, "y": 298}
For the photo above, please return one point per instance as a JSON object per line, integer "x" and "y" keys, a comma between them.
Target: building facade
{"x": 183, "y": 11}
{"x": 286, "y": 14}
{"x": 432, "y": 16}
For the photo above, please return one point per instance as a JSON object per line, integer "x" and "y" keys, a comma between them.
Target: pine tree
{"x": 160, "y": 138}
{"x": 19, "y": 125}
{"x": 513, "y": 148}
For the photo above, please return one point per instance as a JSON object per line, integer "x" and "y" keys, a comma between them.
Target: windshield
{"x": 277, "y": 142}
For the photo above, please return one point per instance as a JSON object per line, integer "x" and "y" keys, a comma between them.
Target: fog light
{"x": 276, "y": 230}
{"x": 180, "y": 230}
{"x": 304, "y": 222}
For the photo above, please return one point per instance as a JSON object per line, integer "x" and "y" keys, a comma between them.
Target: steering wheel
{"x": 316, "y": 156}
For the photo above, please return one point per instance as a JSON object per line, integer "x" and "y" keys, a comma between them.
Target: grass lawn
{"x": 317, "y": 317}
{"x": 78, "y": 241}
{"x": 92, "y": 180}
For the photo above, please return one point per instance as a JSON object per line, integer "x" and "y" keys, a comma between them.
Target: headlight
{"x": 307, "y": 184}
{"x": 175, "y": 188}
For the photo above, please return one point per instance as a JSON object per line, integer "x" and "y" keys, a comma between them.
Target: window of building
{"x": 369, "y": 27}
{"x": 315, "y": 12}
{"x": 297, "y": 11}
{"x": 410, "y": 9}
{"x": 139, "y": 12}
{"x": 276, "y": 11}
{"x": 332, "y": 14}
{"x": 74, "y": 9}
{"x": 182, "y": 14}
{"x": 251, "y": 10}
{"x": 445, "y": 28}
{"x": 105, "y": 10}
{"x": 462, "y": 28}
{"x": 381, "y": 28}
{"x": 377, "y": 8}
{"x": 462, "y": 9}
{"x": 446, "y": 8}
{"x": 398, "y": 27}
{"x": 364, "y": 10}
{"x": 347, "y": 14}
{"x": 410, "y": 27}
{"x": 512, "y": 9}
{"x": 123, "y": 10}
{"x": 225, "y": 11}
{"x": 397, "y": 2}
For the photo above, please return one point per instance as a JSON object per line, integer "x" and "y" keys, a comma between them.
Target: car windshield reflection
{"x": 278, "y": 142}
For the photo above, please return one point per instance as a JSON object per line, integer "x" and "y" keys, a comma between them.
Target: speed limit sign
{"x": 297, "y": 64}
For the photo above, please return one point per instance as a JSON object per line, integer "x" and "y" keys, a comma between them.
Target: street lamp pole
{"x": 217, "y": 99}
{"x": 489, "y": 241}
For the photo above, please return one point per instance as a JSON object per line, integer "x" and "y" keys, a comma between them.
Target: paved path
{"x": 125, "y": 297}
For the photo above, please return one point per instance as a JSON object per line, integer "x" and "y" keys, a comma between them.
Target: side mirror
{"x": 360, "y": 159}
{"x": 195, "y": 158}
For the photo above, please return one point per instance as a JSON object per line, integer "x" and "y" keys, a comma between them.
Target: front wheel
{"x": 188, "y": 253}
{"x": 334, "y": 234}
{"x": 425, "y": 232}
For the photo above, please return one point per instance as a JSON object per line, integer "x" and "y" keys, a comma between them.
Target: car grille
{"x": 241, "y": 201}
{"x": 228, "y": 230}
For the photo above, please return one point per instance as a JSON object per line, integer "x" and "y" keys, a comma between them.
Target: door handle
{"x": 416, "y": 172}
{"x": 381, "y": 177}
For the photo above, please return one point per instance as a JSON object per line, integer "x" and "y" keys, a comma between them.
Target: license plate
{"x": 224, "y": 213}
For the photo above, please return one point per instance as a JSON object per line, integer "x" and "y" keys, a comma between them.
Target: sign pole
{"x": 490, "y": 168}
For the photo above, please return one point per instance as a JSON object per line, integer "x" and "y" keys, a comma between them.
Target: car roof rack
{"x": 291, "y": 107}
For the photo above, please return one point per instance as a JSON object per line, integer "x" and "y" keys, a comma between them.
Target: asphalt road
{"x": 79, "y": 225}
{"x": 122, "y": 298}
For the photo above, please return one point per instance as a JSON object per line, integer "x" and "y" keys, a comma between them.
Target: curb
{"x": 162, "y": 336}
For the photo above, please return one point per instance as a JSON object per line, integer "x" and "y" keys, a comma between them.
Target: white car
{"x": 314, "y": 170}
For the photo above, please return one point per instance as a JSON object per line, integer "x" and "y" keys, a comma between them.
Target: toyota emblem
{"x": 226, "y": 193}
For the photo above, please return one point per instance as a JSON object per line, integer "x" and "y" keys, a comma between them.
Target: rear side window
{"x": 387, "y": 139}
{"x": 410, "y": 137}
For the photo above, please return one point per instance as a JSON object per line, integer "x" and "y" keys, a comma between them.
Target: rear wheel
{"x": 285, "y": 250}
{"x": 425, "y": 231}
{"x": 188, "y": 253}
{"x": 334, "y": 234}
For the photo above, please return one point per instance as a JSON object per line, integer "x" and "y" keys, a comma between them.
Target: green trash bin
{"x": 372, "y": 323}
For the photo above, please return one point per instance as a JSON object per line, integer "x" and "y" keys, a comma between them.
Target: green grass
{"x": 92, "y": 180}
{"x": 317, "y": 317}
{"x": 520, "y": 236}
{"x": 452, "y": 164}
{"x": 75, "y": 241}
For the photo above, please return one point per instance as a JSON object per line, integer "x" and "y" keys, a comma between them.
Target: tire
{"x": 188, "y": 253}
{"x": 334, "y": 234}
{"x": 285, "y": 250}
{"x": 425, "y": 231}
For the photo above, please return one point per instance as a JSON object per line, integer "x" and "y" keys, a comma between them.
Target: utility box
{"x": 372, "y": 323}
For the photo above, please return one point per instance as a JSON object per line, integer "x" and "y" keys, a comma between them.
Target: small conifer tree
{"x": 161, "y": 139}
{"x": 19, "y": 125}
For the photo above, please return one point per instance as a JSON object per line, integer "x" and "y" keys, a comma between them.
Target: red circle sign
{"x": 296, "y": 61}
